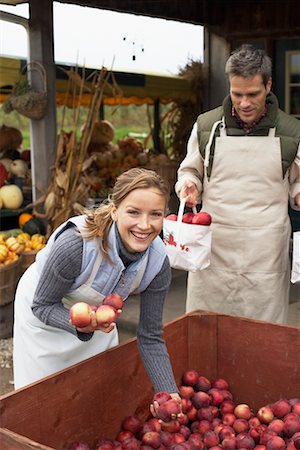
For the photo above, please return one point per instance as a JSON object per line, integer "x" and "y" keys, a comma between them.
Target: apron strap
{"x": 96, "y": 267}
{"x": 272, "y": 132}
{"x": 208, "y": 145}
{"x": 138, "y": 278}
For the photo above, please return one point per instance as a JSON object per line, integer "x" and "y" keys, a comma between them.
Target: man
{"x": 243, "y": 164}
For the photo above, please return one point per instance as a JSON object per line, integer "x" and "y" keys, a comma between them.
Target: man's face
{"x": 248, "y": 96}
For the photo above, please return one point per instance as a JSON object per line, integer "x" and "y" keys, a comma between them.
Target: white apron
{"x": 39, "y": 349}
{"x": 247, "y": 198}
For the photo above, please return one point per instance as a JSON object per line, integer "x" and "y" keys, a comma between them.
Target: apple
{"x": 240, "y": 425}
{"x": 192, "y": 414}
{"x": 80, "y": 314}
{"x": 152, "y": 438}
{"x": 228, "y": 419}
{"x": 168, "y": 410}
{"x": 203, "y": 426}
{"x": 242, "y": 411}
{"x": 228, "y": 444}
{"x": 188, "y": 217}
{"x": 201, "y": 399}
{"x": 172, "y": 427}
{"x": 186, "y": 391}
{"x": 105, "y": 444}
{"x": 202, "y": 218}
{"x": 172, "y": 217}
{"x": 226, "y": 432}
{"x": 155, "y": 423}
{"x": 210, "y": 439}
{"x": 203, "y": 384}
{"x": 114, "y": 300}
{"x": 244, "y": 441}
{"x": 265, "y": 414}
{"x": 78, "y": 445}
{"x": 186, "y": 404}
{"x": 123, "y": 435}
{"x": 161, "y": 397}
{"x": 275, "y": 443}
{"x": 205, "y": 414}
{"x": 190, "y": 378}
{"x": 105, "y": 315}
{"x": 185, "y": 431}
{"x": 220, "y": 383}
{"x": 216, "y": 396}
{"x": 281, "y": 408}
{"x": 296, "y": 408}
{"x": 227, "y": 406}
{"x": 183, "y": 419}
{"x": 196, "y": 440}
{"x": 296, "y": 440}
{"x": 291, "y": 426}
{"x": 131, "y": 444}
{"x": 276, "y": 425}
{"x": 131, "y": 423}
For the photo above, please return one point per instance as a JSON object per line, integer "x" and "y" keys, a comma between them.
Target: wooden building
{"x": 271, "y": 24}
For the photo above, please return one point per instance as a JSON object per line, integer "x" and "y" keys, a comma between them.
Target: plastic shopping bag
{"x": 296, "y": 258}
{"x": 188, "y": 245}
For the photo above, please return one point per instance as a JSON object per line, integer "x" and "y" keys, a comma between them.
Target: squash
{"x": 10, "y": 138}
{"x": 12, "y": 196}
{"x": 34, "y": 226}
{"x": 23, "y": 218}
{"x": 3, "y": 252}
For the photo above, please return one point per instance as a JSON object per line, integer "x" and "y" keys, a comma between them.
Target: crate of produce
{"x": 90, "y": 400}
{"x": 9, "y": 277}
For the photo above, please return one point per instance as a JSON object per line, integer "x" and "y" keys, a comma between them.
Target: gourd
{"x": 23, "y": 218}
{"x": 10, "y": 138}
{"x": 19, "y": 168}
{"x": 12, "y": 196}
{"x": 34, "y": 226}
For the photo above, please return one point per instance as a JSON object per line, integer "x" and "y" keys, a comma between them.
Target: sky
{"x": 96, "y": 38}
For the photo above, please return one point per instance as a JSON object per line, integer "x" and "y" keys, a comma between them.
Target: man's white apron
{"x": 41, "y": 350}
{"x": 247, "y": 198}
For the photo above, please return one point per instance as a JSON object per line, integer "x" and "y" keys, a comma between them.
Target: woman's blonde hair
{"x": 99, "y": 220}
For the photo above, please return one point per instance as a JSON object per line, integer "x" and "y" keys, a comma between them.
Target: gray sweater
{"x": 64, "y": 265}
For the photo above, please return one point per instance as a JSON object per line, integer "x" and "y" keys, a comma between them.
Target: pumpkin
{"x": 12, "y": 196}
{"x": 13, "y": 245}
{"x": 23, "y": 218}
{"x": 3, "y": 252}
{"x": 10, "y": 138}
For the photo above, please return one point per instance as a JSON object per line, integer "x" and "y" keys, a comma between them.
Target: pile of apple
{"x": 200, "y": 218}
{"x": 209, "y": 419}
{"x": 106, "y": 313}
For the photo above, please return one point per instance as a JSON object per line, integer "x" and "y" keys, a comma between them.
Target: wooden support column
{"x": 43, "y": 133}
{"x": 156, "y": 131}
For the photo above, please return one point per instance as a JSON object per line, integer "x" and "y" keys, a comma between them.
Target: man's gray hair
{"x": 248, "y": 61}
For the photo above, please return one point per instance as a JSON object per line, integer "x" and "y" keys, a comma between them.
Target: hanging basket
{"x": 27, "y": 101}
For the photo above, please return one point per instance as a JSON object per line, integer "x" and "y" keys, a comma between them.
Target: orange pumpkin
{"x": 23, "y": 218}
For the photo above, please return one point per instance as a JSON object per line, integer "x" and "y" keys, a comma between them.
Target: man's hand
{"x": 190, "y": 193}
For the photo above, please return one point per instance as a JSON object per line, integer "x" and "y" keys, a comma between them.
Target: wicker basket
{"x": 32, "y": 104}
{"x": 9, "y": 277}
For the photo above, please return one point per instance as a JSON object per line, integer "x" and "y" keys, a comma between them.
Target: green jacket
{"x": 287, "y": 128}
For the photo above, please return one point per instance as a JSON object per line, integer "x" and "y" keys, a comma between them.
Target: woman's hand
{"x": 154, "y": 407}
{"x": 95, "y": 327}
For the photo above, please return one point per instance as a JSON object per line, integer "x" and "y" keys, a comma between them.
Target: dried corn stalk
{"x": 70, "y": 186}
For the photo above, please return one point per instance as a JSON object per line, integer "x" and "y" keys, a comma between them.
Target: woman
{"x": 114, "y": 248}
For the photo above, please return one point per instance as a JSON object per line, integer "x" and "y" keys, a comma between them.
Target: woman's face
{"x": 139, "y": 218}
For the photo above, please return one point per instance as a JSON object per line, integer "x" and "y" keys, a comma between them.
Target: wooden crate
{"x": 90, "y": 399}
{"x": 9, "y": 277}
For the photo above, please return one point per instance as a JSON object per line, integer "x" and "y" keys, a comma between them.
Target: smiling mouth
{"x": 140, "y": 235}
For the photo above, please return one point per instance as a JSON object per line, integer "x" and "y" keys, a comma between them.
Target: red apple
{"x": 186, "y": 404}
{"x": 80, "y": 314}
{"x": 131, "y": 423}
{"x": 105, "y": 444}
{"x": 172, "y": 217}
{"x": 188, "y": 217}
{"x": 240, "y": 425}
{"x": 196, "y": 440}
{"x": 105, "y": 315}
{"x": 152, "y": 438}
{"x": 131, "y": 444}
{"x": 203, "y": 384}
{"x": 190, "y": 378}
{"x": 123, "y": 435}
{"x": 216, "y": 396}
{"x": 155, "y": 423}
{"x": 265, "y": 414}
{"x": 220, "y": 383}
{"x": 202, "y": 218}
{"x": 168, "y": 410}
{"x": 173, "y": 426}
{"x": 161, "y": 397}
{"x": 229, "y": 444}
{"x": 291, "y": 426}
{"x": 114, "y": 300}
{"x": 186, "y": 391}
{"x": 242, "y": 411}
{"x": 78, "y": 445}
{"x": 226, "y": 432}
{"x": 244, "y": 441}
{"x": 276, "y": 425}
{"x": 227, "y": 406}
{"x": 229, "y": 419}
{"x": 296, "y": 440}
{"x": 210, "y": 439}
{"x": 185, "y": 431}
{"x": 281, "y": 408}
{"x": 275, "y": 443}
{"x": 201, "y": 399}
{"x": 296, "y": 408}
